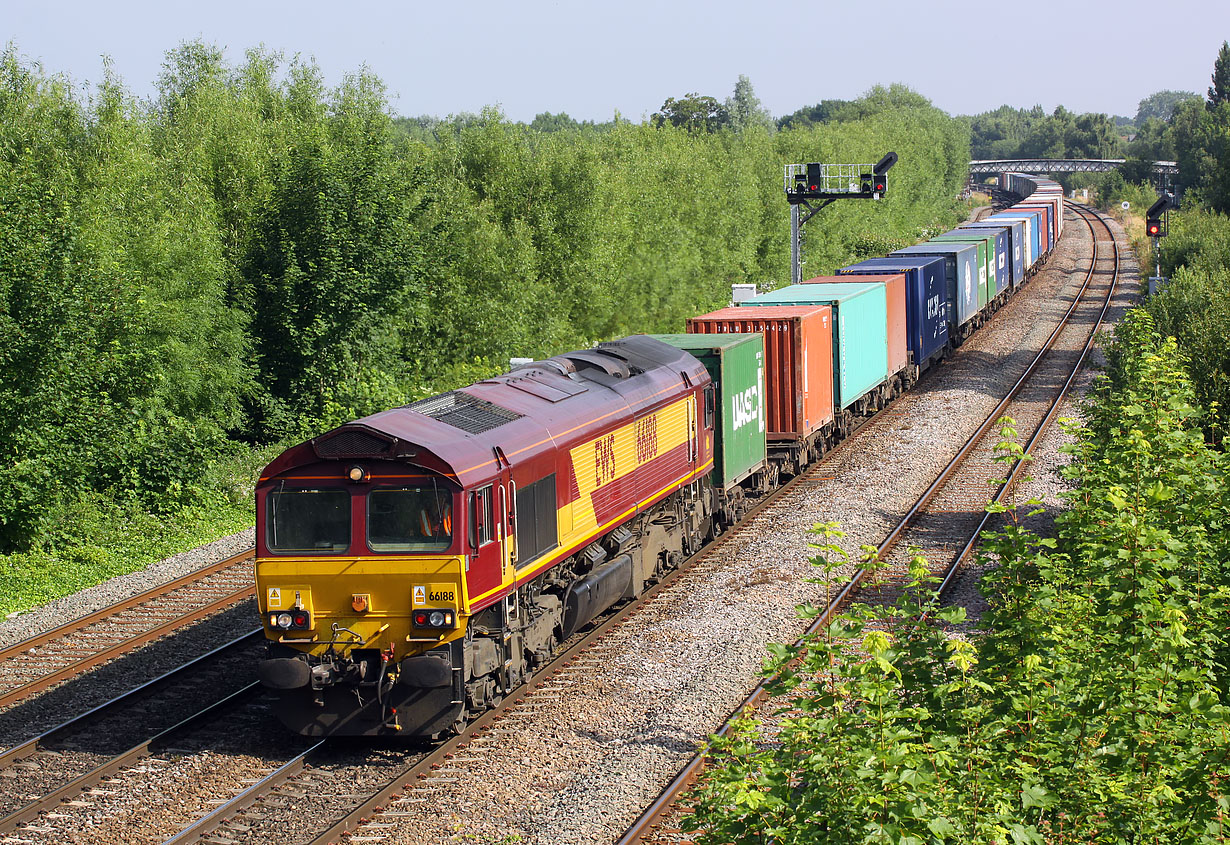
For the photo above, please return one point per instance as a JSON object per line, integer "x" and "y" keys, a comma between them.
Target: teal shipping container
{"x": 987, "y": 282}
{"x": 736, "y": 364}
{"x": 860, "y": 332}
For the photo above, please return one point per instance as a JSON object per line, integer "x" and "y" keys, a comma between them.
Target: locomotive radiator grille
{"x": 461, "y": 410}
{"x": 353, "y": 444}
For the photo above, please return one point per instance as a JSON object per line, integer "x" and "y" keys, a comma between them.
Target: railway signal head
{"x": 879, "y": 173}
{"x": 1155, "y": 220}
{"x": 814, "y": 180}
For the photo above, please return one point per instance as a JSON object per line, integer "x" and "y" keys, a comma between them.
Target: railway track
{"x": 45, "y": 660}
{"x": 947, "y": 520}
{"x": 81, "y": 753}
{"x": 271, "y": 808}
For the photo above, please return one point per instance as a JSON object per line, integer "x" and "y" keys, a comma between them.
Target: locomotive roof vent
{"x": 352, "y": 443}
{"x": 463, "y": 411}
{"x": 597, "y": 359}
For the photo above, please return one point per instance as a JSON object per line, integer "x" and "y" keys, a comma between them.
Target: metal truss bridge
{"x": 1056, "y": 165}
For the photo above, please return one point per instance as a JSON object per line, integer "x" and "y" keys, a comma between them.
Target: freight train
{"x": 415, "y": 566}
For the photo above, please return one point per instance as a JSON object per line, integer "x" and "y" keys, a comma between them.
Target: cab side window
{"x": 482, "y": 517}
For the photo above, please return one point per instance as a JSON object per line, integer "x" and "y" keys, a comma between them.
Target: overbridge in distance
{"x": 1062, "y": 165}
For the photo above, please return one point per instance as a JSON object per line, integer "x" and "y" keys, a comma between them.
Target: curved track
{"x": 951, "y": 514}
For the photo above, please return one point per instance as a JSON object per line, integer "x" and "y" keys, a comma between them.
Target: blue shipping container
{"x": 961, "y": 275}
{"x": 926, "y": 300}
{"x": 1004, "y": 266}
{"x": 1033, "y": 233}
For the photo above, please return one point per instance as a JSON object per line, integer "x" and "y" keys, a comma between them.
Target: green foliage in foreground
{"x": 1090, "y": 711}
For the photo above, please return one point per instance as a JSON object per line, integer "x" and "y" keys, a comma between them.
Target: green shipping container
{"x": 736, "y": 364}
{"x": 860, "y": 331}
{"x": 987, "y": 285}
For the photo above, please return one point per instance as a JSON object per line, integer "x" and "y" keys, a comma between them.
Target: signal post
{"x": 823, "y": 184}
{"x": 1157, "y": 220}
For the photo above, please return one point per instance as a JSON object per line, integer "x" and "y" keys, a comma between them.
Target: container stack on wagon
{"x": 451, "y": 544}
{"x": 736, "y": 363}
{"x": 926, "y": 302}
{"x": 798, "y": 395}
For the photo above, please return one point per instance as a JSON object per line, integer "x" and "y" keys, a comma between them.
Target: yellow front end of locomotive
{"x": 400, "y": 606}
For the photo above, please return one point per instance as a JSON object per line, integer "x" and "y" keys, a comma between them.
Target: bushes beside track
{"x": 1195, "y": 307}
{"x": 1091, "y": 709}
{"x": 252, "y": 258}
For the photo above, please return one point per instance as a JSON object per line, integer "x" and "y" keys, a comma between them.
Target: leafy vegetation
{"x": 1031, "y": 133}
{"x": 252, "y": 258}
{"x": 1090, "y": 711}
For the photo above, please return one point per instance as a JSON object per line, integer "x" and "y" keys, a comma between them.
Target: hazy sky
{"x": 591, "y": 59}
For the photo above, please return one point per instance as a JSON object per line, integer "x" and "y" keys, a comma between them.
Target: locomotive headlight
{"x": 284, "y": 620}
{"x": 358, "y": 474}
{"x": 436, "y": 619}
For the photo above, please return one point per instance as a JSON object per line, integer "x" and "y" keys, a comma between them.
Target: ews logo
{"x": 604, "y": 460}
{"x": 646, "y": 439}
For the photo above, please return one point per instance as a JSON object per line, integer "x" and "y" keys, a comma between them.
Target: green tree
{"x": 808, "y": 116}
{"x": 744, "y": 107}
{"x": 1161, "y": 105}
{"x": 693, "y": 112}
{"x": 123, "y": 360}
{"x": 1219, "y": 91}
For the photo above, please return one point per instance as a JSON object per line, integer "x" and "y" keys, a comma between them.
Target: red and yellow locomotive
{"x": 414, "y": 566}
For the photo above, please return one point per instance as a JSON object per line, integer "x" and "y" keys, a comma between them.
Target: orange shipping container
{"x": 898, "y": 353}
{"x": 798, "y": 343}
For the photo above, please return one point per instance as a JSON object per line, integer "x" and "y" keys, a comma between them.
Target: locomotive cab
{"x": 360, "y": 579}
{"x": 414, "y": 566}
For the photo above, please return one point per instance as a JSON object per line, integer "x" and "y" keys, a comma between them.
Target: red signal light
{"x": 879, "y": 186}
{"x": 420, "y": 619}
{"x": 301, "y": 619}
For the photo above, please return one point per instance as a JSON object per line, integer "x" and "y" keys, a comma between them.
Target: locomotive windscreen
{"x": 409, "y": 519}
{"x": 308, "y": 521}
